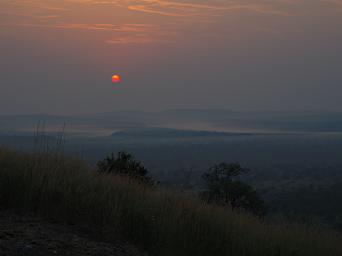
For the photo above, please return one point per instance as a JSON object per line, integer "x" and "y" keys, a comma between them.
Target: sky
{"x": 58, "y": 56}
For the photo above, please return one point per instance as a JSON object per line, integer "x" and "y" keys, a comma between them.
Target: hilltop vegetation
{"x": 162, "y": 222}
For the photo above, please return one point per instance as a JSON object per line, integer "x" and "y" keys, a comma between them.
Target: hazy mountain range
{"x": 168, "y": 122}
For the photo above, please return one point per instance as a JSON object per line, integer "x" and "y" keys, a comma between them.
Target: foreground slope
{"x": 161, "y": 222}
{"x": 31, "y": 235}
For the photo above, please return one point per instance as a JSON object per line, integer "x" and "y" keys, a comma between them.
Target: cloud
{"x": 123, "y": 34}
{"x": 172, "y": 17}
{"x": 334, "y": 2}
{"x": 131, "y": 40}
{"x": 173, "y": 8}
{"x": 128, "y": 28}
{"x": 186, "y": 9}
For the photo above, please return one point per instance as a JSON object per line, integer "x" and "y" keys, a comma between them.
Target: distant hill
{"x": 184, "y": 119}
{"x": 170, "y": 133}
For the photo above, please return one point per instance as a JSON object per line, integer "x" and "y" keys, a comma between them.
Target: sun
{"x": 116, "y": 79}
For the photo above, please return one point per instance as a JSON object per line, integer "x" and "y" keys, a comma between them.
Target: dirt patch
{"x": 30, "y": 235}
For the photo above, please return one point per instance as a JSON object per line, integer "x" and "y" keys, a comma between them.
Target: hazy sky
{"x": 58, "y": 56}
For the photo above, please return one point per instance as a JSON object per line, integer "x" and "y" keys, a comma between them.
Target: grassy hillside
{"x": 162, "y": 222}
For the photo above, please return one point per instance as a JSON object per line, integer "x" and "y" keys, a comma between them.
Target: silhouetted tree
{"x": 225, "y": 189}
{"x": 124, "y": 164}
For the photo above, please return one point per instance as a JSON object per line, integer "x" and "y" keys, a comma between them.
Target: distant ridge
{"x": 191, "y": 119}
{"x": 172, "y": 133}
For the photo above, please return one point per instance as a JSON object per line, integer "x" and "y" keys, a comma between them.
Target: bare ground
{"x": 30, "y": 235}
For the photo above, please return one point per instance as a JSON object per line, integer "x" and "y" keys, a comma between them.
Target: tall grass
{"x": 162, "y": 222}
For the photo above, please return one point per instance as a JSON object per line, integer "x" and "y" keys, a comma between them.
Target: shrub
{"x": 223, "y": 188}
{"x": 124, "y": 164}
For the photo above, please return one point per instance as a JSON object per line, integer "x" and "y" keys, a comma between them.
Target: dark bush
{"x": 224, "y": 188}
{"x": 124, "y": 164}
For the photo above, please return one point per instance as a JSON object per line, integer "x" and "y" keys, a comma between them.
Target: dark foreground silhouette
{"x": 30, "y": 235}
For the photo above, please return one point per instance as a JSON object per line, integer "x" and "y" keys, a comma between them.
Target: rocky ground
{"x": 30, "y": 235}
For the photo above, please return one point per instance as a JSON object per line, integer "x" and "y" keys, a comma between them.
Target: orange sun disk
{"x": 116, "y": 78}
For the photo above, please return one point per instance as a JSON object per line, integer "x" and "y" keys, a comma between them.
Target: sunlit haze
{"x": 56, "y": 56}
